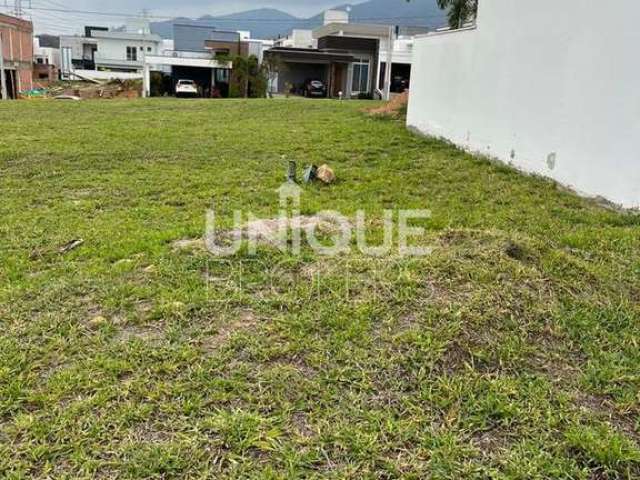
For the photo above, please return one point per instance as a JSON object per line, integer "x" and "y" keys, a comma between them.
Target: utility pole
{"x": 18, "y": 8}
{"x": 3, "y": 78}
{"x": 387, "y": 70}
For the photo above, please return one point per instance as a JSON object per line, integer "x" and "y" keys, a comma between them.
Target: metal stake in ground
{"x": 291, "y": 172}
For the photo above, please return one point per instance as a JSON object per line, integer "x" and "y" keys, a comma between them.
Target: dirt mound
{"x": 87, "y": 90}
{"x": 268, "y": 232}
{"x": 396, "y": 107}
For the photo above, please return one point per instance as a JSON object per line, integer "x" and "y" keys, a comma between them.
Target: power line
{"x": 214, "y": 19}
{"x": 78, "y": 16}
{"x": 60, "y": 17}
{"x": 55, "y": 4}
{"x": 18, "y": 8}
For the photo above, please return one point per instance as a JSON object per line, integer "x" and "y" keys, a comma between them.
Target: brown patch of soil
{"x": 189, "y": 244}
{"x": 491, "y": 441}
{"x": 146, "y": 334}
{"x": 393, "y": 108}
{"x": 300, "y": 421}
{"x": 269, "y": 232}
{"x": 604, "y": 408}
{"x": 247, "y": 320}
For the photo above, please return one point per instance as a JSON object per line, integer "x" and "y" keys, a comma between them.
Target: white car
{"x": 186, "y": 88}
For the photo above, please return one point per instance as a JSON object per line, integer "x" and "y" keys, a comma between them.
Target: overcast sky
{"x": 59, "y": 22}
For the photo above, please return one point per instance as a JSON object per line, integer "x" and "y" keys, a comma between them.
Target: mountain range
{"x": 268, "y": 23}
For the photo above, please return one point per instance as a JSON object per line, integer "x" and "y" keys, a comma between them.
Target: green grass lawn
{"x": 510, "y": 352}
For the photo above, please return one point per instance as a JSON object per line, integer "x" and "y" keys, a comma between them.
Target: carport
{"x": 207, "y": 72}
{"x": 301, "y": 64}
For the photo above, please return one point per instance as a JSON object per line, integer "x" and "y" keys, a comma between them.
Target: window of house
{"x": 132, "y": 54}
{"x": 149, "y": 49}
{"x": 360, "y": 75}
{"x": 221, "y": 75}
{"x": 39, "y": 60}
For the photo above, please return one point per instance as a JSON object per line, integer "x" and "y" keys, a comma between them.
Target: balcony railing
{"x": 101, "y": 60}
{"x": 186, "y": 54}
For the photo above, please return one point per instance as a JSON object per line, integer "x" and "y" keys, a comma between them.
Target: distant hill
{"x": 270, "y": 23}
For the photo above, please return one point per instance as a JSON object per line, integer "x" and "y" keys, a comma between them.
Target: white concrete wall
{"x": 101, "y": 76}
{"x": 298, "y": 38}
{"x": 167, "y": 45}
{"x": 336, "y": 16}
{"x": 116, "y": 49}
{"x": 75, "y": 43}
{"x": 551, "y": 87}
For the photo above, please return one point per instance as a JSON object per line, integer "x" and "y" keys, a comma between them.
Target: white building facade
{"x": 111, "y": 51}
{"x": 123, "y": 50}
{"x": 45, "y": 55}
{"x": 298, "y": 38}
{"x": 394, "y": 46}
{"x": 549, "y": 87}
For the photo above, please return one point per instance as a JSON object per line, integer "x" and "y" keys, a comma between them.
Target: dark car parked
{"x": 314, "y": 88}
{"x": 399, "y": 84}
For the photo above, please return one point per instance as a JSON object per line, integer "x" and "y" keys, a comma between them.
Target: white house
{"x": 392, "y": 46}
{"x": 101, "y": 49}
{"x": 123, "y": 50}
{"x": 549, "y": 87}
{"x": 46, "y": 51}
{"x": 350, "y": 58}
{"x": 298, "y": 38}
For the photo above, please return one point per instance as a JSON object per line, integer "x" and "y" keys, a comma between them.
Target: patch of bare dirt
{"x": 301, "y": 425}
{"x": 273, "y": 231}
{"x": 147, "y": 334}
{"x": 144, "y": 308}
{"x": 604, "y": 408}
{"x": 189, "y": 244}
{"x": 392, "y": 108}
{"x": 149, "y": 432}
{"x": 491, "y": 441}
{"x": 455, "y": 358}
{"x": 296, "y": 363}
{"x": 246, "y": 321}
{"x": 269, "y": 232}
{"x": 128, "y": 89}
{"x": 438, "y": 294}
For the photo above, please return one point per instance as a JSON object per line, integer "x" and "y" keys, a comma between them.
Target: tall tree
{"x": 459, "y": 11}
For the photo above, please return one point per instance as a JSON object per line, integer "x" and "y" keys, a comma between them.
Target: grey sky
{"x": 66, "y": 22}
